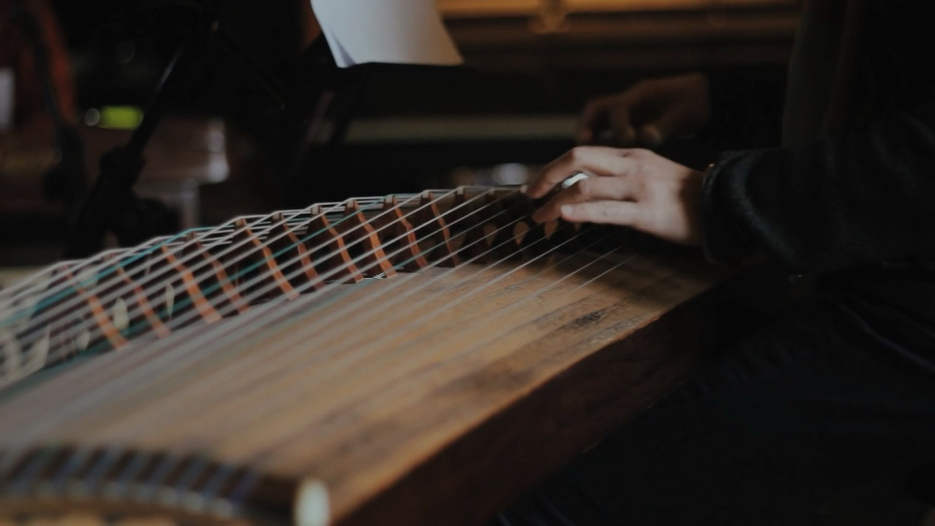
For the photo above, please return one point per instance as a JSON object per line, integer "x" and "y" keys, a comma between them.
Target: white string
{"x": 287, "y": 349}
{"x": 385, "y": 389}
{"x": 509, "y": 256}
{"x": 2, "y": 467}
{"x": 168, "y": 357}
{"x": 152, "y": 421}
{"x": 358, "y": 358}
{"x": 193, "y": 314}
{"x": 105, "y": 263}
{"x": 18, "y": 290}
{"x": 37, "y": 431}
{"x": 284, "y": 397}
{"x": 167, "y": 270}
{"x": 136, "y": 311}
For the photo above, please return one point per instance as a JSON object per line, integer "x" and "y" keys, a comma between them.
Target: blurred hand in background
{"x": 649, "y": 113}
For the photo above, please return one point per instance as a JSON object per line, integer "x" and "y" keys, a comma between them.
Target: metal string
{"x": 33, "y": 281}
{"x": 151, "y": 421}
{"x": 247, "y": 328}
{"x": 256, "y": 464}
{"x": 284, "y": 352}
{"x": 293, "y": 435}
{"x": 63, "y": 289}
{"x": 111, "y": 457}
{"x": 459, "y": 234}
{"x": 167, "y": 270}
{"x": 191, "y": 314}
{"x": 170, "y": 273}
{"x": 186, "y": 354}
{"x": 333, "y": 272}
{"x": 518, "y": 251}
{"x": 360, "y": 354}
{"x": 7, "y": 462}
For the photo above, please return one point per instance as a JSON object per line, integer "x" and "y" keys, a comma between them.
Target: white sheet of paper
{"x": 386, "y": 31}
{"x": 7, "y": 98}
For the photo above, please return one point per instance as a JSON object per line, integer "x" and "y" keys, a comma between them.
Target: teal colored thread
{"x": 135, "y": 326}
{"x": 44, "y": 303}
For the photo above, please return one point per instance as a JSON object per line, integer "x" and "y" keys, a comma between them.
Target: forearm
{"x": 862, "y": 198}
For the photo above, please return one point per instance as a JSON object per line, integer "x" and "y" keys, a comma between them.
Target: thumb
{"x": 622, "y": 126}
{"x": 593, "y": 117}
{"x": 661, "y": 129}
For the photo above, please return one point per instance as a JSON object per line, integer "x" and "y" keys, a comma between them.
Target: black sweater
{"x": 855, "y": 204}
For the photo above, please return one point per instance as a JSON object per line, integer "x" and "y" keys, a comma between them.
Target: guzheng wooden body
{"x": 413, "y": 358}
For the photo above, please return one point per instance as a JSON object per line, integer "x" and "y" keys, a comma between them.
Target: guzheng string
{"x": 191, "y": 315}
{"x": 83, "y": 268}
{"x": 108, "y": 268}
{"x": 254, "y": 323}
{"x": 263, "y": 276}
{"x": 5, "y": 462}
{"x": 121, "y": 387}
{"x": 257, "y": 463}
{"x": 386, "y": 388}
{"x": 166, "y": 270}
{"x": 40, "y": 461}
{"x": 195, "y": 469}
{"x": 350, "y": 354}
{"x": 163, "y": 470}
{"x": 179, "y": 354}
{"x": 286, "y": 351}
{"x": 357, "y": 259}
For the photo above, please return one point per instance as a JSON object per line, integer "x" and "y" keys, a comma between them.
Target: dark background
{"x": 517, "y": 64}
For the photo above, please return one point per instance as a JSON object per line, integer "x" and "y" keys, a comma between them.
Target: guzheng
{"x": 416, "y": 358}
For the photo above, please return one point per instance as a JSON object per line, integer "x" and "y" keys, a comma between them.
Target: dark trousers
{"x": 804, "y": 423}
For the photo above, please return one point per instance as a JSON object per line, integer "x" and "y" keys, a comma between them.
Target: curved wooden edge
{"x": 482, "y": 471}
{"x": 59, "y": 508}
{"x": 112, "y": 493}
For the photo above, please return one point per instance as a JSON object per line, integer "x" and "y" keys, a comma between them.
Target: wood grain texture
{"x": 436, "y": 402}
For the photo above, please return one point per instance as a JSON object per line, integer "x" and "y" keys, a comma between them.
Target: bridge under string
{"x": 146, "y": 282}
{"x": 305, "y": 273}
{"x": 488, "y": 235}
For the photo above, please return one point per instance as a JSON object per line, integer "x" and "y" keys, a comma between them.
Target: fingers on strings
{"x": 592, "y": 160}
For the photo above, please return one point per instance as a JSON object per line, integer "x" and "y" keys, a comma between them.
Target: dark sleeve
{"x": 746, "y": 107}
{"x": 864, "y": 197}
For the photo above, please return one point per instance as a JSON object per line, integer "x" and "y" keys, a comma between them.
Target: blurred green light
{"x": 120, "y": 117}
